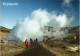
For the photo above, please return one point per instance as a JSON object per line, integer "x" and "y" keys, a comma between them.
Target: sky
{"x": 10, "y": 14}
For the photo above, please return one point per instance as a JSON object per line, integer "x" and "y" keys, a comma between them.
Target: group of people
{"x": 31, "y": 41}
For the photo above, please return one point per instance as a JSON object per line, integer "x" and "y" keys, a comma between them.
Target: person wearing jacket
{"x": 26, "y": 43}
{"x": 31, "y": 40}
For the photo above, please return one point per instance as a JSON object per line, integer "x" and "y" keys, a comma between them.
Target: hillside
{"x": 5, "y": 30}
{"x": 13, "y": 48}
{"x": 72, "y": 31}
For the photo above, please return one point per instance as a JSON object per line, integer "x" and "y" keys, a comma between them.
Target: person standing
{"x": 26, "y": 43}
{"x": 36, "y": 40}
{"x": 31, "y": 40}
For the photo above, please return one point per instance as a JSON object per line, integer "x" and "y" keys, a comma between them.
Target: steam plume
{"x": 30, "y": 27}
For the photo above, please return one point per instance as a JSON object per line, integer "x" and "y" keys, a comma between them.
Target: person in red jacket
{"x": 26, "y": 42}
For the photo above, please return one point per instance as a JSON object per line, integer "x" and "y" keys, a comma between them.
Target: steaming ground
{"x": 33, "y": 26}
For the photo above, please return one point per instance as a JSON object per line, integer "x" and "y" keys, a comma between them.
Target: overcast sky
{"x": 10, "y": 14}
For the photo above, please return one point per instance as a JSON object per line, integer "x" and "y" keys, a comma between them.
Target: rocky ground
{"x": 12, "y": 48}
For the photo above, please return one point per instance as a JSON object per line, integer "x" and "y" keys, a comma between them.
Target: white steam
{"x": 30, "y": 27}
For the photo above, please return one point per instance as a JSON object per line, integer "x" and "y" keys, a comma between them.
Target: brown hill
{"x": 5, "y": 30}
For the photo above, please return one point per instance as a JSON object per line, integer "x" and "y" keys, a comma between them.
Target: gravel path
{"x": 35, "y": 50}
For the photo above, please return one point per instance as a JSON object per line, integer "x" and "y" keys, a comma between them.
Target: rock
{"x": 72, "y": 49}
{"x": 64, "y": 47}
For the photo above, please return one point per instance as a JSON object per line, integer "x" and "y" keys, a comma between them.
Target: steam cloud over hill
{"x": 30, "y": 27}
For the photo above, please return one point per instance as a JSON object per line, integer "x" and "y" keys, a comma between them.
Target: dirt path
{"x": 36, "y": 50}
